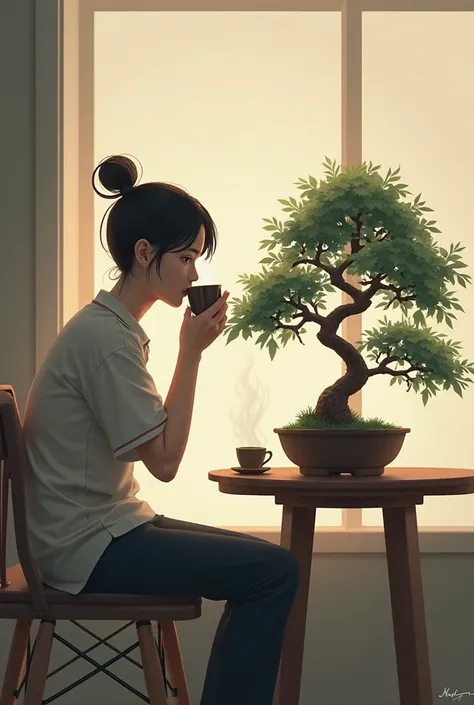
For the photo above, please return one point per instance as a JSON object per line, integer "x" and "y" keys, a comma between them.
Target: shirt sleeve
{"x": 125, "y": 402}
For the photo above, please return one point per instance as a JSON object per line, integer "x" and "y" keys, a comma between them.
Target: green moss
{"x": 308, "y": 419}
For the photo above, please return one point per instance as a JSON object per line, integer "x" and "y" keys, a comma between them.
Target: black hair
{"x": 164, "y": 214}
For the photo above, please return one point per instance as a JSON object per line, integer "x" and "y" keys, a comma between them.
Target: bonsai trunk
{"x": 333, "y": 403}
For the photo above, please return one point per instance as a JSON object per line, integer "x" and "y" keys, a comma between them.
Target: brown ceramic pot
{"x": 323, "y": 453}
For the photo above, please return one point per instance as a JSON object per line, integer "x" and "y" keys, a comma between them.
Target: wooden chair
{"x": 24, "y": 598}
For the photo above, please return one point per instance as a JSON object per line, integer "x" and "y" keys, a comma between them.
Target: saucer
{"x": 252, "y": 471}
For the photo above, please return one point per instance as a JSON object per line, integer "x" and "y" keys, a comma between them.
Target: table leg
{"x": 297, "y": 530}
{"x": 408, "y": 611}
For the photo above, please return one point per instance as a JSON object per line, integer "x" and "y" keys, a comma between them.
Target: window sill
{"x": 333, "y": 539}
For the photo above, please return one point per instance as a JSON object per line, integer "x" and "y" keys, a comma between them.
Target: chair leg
{"x": 151, "y": 665}
{"x": 16, "y": 662}
{"x": 39, "y": 664}
{"x": 174, "y": 662}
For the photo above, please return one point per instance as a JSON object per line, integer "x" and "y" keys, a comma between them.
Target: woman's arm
{"x": 163, "y": 454}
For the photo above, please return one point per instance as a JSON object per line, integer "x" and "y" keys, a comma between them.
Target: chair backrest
{"x": 13, "y": 473}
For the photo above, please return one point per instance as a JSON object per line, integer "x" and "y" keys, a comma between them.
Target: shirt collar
{"x": 112, "y": 304}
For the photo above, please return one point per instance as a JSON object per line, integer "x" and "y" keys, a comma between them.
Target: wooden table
{"x": 397, "y": 492}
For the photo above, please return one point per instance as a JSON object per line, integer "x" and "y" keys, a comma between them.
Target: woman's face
{"x": 177, "y": 272}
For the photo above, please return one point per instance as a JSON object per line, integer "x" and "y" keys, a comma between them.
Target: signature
{"x": 455, "y": 695}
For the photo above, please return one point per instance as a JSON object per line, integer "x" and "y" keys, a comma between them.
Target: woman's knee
{"x": 285, "y": 563}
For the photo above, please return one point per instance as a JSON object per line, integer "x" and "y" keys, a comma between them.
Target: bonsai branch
{"x": 336, "y": 274}
{"x": 384, "y": 369}
{"x": 303, "y": 311}
{"x": 360, "y": 304}
{"x": 279, "y": 325}
{"x": 397, "y": 290}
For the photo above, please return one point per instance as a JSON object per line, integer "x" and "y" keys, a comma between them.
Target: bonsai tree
{"x": 354, "y": 222}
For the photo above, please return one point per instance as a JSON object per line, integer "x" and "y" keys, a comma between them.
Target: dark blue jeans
{"x": 258, "y": 580}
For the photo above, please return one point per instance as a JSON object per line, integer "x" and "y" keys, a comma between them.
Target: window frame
{"x": 64, "y": 53}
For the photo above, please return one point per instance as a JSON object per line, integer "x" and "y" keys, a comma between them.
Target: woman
{"x": 93, "y": 410}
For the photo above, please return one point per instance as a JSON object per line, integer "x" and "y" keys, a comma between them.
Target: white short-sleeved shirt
{"x": 91, "y": 404}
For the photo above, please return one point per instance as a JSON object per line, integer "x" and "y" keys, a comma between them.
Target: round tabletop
{"x": 419, "y": 481}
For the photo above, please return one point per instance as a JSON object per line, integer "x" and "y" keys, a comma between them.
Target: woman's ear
{"x": 144, "y": 252}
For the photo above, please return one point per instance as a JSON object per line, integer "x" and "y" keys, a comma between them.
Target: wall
{"x": 349, "y": 657}
{"x": 17, "y": 198}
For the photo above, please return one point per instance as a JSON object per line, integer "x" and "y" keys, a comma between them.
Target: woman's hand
{"x": 198, "y": 332}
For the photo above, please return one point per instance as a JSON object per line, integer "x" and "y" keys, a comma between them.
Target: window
{"x": 281, "y": 98}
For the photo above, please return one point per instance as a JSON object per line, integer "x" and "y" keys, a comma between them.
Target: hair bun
{"x": 117, "y": 174}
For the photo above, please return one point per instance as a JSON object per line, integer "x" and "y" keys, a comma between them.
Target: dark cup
{"x": 253, "y": 456}
{"x": 202, "y": 297}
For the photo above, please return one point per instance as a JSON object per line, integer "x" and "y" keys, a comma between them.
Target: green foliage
{"x": 268, "y": 295}
{"x": 308, "y": 419}
{"x": 434, "y": 360}
{"x": 357, "y": 220}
